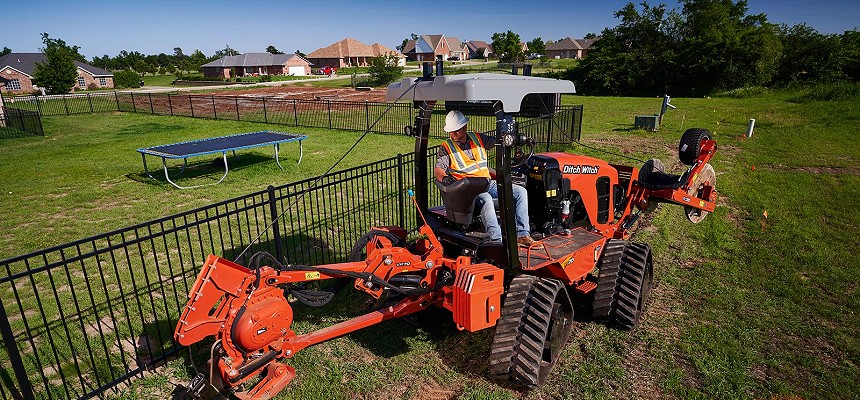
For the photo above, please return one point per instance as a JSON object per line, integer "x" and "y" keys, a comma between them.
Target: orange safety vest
{"x": 461, "y": 165}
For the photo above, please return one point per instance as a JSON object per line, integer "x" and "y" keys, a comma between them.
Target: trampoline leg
{"x": 301, "y": 152}
{"x": 277, "y": 151}
{"x": 145, "y": 168}
{"x": 166, "y": 176}
{"x": 184, "y": 164}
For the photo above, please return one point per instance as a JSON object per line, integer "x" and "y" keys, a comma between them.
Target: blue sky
{"x": 151, "y": 27}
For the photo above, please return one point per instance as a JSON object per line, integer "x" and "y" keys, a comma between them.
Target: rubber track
{"x": 516, "y": 353}
{"x": 633, "y": 272}
{"x": 607, "y": 281}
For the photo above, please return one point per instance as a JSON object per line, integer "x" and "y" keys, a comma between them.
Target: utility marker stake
{"x": 750, "y": 127}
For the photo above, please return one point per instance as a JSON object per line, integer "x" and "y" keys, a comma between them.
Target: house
{"x": 479, "y": 49}
{"x": 569, "y": 48}
{"x": 17, "y": 71}
{"x": 254, "y": 64}
{"x": 433, "y": 47}
{"x": 351, "y": 53}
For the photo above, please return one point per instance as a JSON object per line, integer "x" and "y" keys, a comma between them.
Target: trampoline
{"x": 215, "y": 145}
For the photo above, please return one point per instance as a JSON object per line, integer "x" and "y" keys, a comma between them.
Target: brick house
{"x": 432, "y": 47}
{"x": 569, "y": 48}
{"x": 254, "y": 64}
{"x": 351, "y": 53}
{"x": 479, "y": 49}
{"x": 17, "y": 71}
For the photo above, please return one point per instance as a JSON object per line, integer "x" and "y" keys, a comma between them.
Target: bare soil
{"x": 301, "y": 92}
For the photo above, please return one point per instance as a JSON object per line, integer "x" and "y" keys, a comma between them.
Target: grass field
{"x": 758, "y": 301}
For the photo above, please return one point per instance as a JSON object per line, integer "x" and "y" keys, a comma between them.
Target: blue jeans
{"x": 488, "y": 211}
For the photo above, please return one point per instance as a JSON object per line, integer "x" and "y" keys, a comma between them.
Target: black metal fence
{"x": 81, "y": 318}
{"x": 19, "y": 123}
{"x": 330, "y": 114}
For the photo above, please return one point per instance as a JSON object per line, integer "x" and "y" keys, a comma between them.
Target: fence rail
{"x": 329, "y": 114}
{"x": 81, "y": 318}
{"x": 19, "y": 123}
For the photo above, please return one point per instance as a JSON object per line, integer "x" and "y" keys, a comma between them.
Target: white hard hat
{"x": 455, "y": 120}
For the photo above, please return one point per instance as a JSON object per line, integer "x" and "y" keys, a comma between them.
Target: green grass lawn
{"x": 758, "y": 301}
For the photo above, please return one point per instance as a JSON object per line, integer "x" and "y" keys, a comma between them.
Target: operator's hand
{"x": 448, "y": 179}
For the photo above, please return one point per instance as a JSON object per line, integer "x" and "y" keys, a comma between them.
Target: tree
{"x": 273, "y": 50}
{"x": 507, "y": 47}
{"x": 5, "y": 51}
{"x": 810, "y": 56}
{"x": 58, "y": 74}
{"x": 302, "y": 55}
{"x": 194, "y": 62}
{"x": 226, "y": 51}
{"x": 536, "y": 46}
{"x": 402, "y": 46}
{"x": 177, "y": 53}
{"x": 724, "y": 48}
{"x": 384, "y": 69}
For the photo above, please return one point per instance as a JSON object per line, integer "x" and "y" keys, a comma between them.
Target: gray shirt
{"x": 444, "y": 162}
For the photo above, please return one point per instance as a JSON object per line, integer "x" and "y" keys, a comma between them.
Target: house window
{"x": 102, "y": 82}
{"x": 14, "y": 84}
{"x": 81, "y": 82}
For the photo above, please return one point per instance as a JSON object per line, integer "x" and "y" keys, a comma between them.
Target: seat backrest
{"x": 459, "y": 198}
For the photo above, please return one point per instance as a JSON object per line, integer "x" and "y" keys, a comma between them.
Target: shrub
{"x": 126, "y": 79}
{"x": 384, "y": 69}
{"x": 92, "y": 86}
{"x": 837, "y": 91}
{"x": 265, "y": 78}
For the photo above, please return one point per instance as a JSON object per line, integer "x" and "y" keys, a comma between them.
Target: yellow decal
{"x": 696, "y": 175}
{"x": 701, "y": 203}
{"x": 312, "y": 275}
{"x": 550, "y": 193}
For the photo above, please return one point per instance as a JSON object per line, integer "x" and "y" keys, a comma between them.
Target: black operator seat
{"x": 459, "y": 198}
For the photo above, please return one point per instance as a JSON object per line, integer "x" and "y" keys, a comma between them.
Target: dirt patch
{"x": 433, "y": 391}
{"x": 821, "y": 170}
{"x": 634, "y": 144}
{"x": 300, "y": 92}
{"x": 100, "y": 327}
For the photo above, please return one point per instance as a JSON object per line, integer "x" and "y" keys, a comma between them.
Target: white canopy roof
{"x": 509, "y": 89}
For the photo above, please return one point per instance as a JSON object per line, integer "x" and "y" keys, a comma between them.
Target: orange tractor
{"x": 582, "y": 208}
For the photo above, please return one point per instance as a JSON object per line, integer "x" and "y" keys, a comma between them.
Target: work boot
{"x": 527, "y": 241}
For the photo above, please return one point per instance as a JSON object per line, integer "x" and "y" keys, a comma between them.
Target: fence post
{"x": 90, "y": 99}
{"x": 66, "y": 104}
{"x": 237, "y": 107}
{"x": 170, "y": 104}
{"x": 191, "y": 104}
{"x": 133, "y": 105}
{"x": 549, "y": 131}
{"x": 366, "y": 116}
{"x": 328, "y": 105}
{"x": 295, "y": 113}
{"x": 265, "y": 116}
{"x": 38, "y": 106}
{"x": 276, "y": 231}
{"x": 400, "y": 190}
{"x": 14, "y": 356}
{"x": 116, "y": 97}
{"x": 151, "y": 108}
{"x": 214, "y": 111}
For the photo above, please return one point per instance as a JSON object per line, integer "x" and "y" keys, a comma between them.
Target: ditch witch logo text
{"x": 580, "y": 169}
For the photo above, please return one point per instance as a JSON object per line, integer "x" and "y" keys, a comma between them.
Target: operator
{"x": 464, "y": 155}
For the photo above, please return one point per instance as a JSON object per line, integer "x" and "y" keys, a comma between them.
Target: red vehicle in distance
{"x": 327, "y": 70}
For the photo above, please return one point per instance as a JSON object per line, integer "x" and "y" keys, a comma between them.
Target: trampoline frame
{"x": 164, "y": 152}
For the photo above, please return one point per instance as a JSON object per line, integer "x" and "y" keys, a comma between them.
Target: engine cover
{"x": 265, "y": 319}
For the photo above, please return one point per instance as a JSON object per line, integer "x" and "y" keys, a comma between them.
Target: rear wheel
{"x": 691, "y": 144}
{"x": 535, "y": 324}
